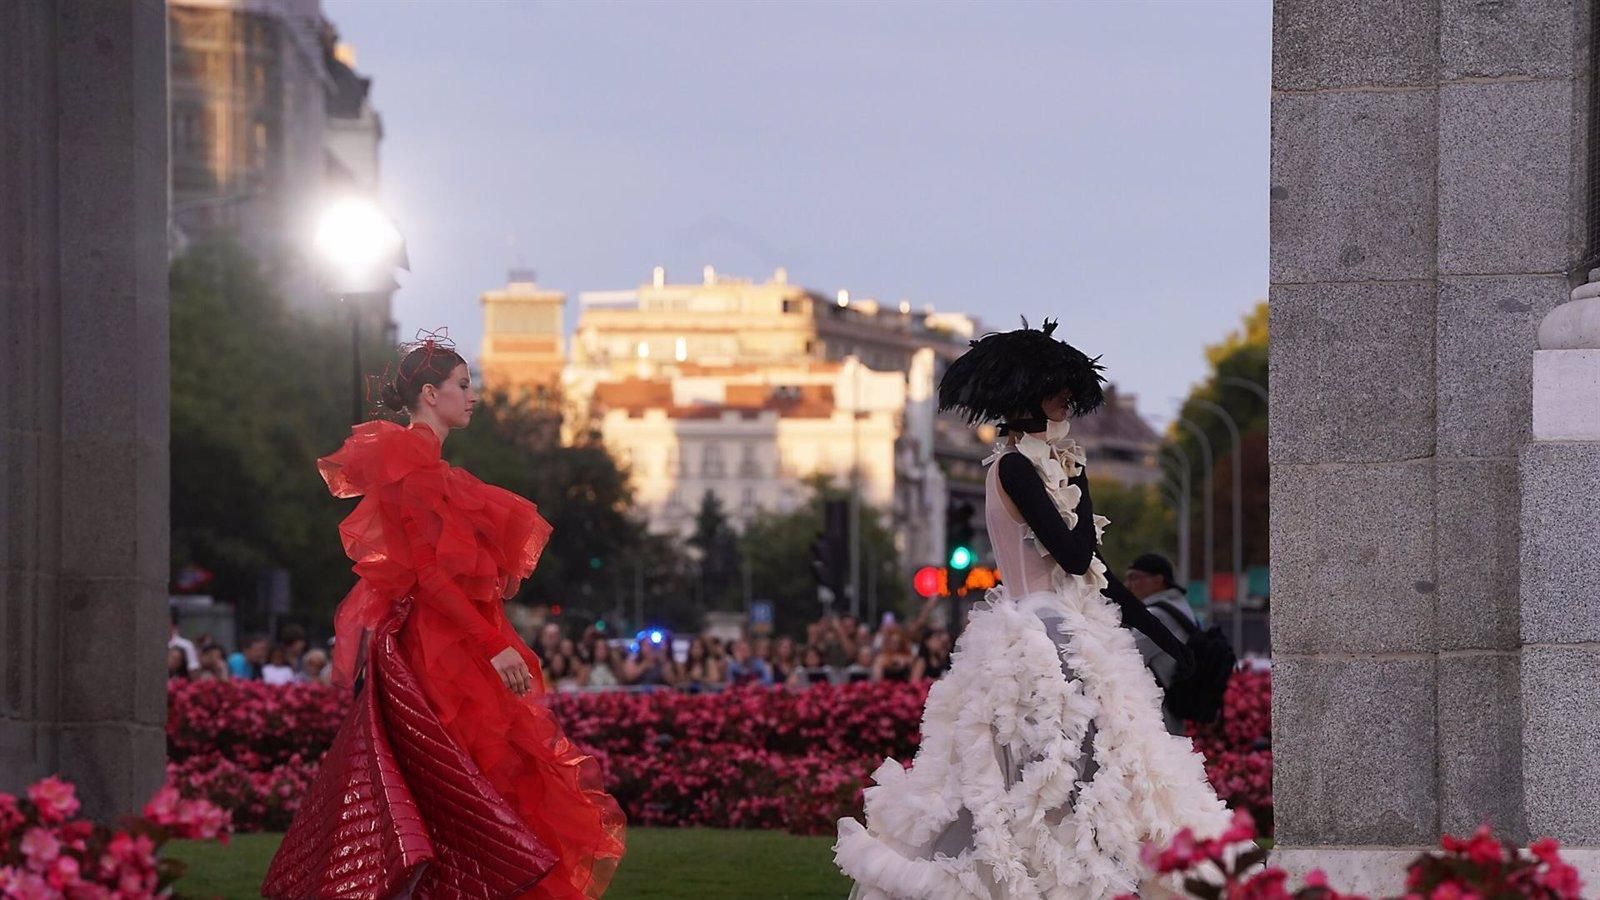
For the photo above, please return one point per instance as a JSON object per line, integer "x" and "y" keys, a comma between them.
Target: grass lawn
{"x": 661, "y": 863}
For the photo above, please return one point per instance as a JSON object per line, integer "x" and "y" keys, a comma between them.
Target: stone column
{"x": 1427, "y": 199}
{"x": 84, "y": 459}
{"x": 1560, "y": 675}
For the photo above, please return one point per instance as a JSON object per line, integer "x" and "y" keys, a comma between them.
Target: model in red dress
{"x": 451, "y": 777}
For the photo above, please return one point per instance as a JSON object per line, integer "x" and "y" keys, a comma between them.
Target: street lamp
{"x": 1185, "y": 490}
{"x": 1209, "y": 500}
{"x": 359, "y": 248}
{"x": 1238, "y": 516}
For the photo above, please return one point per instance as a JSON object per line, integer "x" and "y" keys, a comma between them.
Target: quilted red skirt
{"x": 442, "y": 783}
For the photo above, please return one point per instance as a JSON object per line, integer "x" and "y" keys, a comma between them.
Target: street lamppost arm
{"x": 1238, "y": 516}
{"x": 1186, "y": 491}
{"x": 1208, "y": 459}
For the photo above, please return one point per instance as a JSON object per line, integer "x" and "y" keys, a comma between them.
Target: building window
{"x": 749, "y": 461}
{"x": 747, "y": 502}
{"x": 711, "y": 465}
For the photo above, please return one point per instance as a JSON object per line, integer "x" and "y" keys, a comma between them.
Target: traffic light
{"x": 830, "y": 552}
{"x": 959, "y": 534}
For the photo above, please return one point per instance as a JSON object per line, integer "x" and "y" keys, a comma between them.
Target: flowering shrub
{"x": 1238, "y": 747}
{"x": 1231, "y": 866}
{"x": 45, "y": 852}
{"x": 750, "y": 757}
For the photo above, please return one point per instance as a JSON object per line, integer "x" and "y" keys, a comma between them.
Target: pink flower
{"x": 56, "y": 800}
{"x": 1452, "y": 891}
{"x": 20, "y": 885}
{"x": 1241, "y": 830}
{"x": 10, "y": 816}
{"x": 1546, "y": 850}
{"x": 63, "y": 873}
{"x": 1316, "y": 878}
{"x": 1483, "y": 849}
{"x": 163, "y": 806}
{"x": 1178, "y": 856}
{"x": 1267, "y": 884}
{"x": 40, "y": 847}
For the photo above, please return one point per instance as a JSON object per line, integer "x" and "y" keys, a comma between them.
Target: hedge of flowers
{"x": 746, "y": 758}
{"x": 45, "y": 852}
{"x": 1238, "y": 748}
{"x": 1232, "y": 867}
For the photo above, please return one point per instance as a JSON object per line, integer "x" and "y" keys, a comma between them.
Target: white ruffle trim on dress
{"x": 1048, "y": 834}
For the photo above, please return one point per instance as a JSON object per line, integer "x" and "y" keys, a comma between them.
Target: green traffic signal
{"x": 961, "y": 558}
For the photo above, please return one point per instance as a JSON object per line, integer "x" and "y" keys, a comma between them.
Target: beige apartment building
{"x": 749, "y": 389}
{"x": 524, "y": 339}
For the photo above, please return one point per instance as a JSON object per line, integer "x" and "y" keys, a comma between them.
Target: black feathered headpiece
{"x": 1008, "y": 372}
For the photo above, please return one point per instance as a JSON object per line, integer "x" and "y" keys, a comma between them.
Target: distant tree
{"x": 1240, "y": 356}
{"x": 258, "y": 393}
{"x": 1141, "y": 521}
{"x": 579, "y": 489}
{"x": 715, "y": 543}
{"x": 778, "y": 547}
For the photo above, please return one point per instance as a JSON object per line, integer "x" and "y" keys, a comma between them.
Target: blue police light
{"x": 655, "y": 637}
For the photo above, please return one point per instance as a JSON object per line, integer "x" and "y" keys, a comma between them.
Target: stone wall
{"x": 84, "y": 457}
{"x": 1427, "y": 201}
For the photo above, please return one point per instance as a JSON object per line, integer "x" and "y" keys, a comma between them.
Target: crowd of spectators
{"x": 289, "y": 661}
{"x": 836, "y": 650}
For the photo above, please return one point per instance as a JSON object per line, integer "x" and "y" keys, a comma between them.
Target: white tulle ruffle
{"x": 1045, "y": 834}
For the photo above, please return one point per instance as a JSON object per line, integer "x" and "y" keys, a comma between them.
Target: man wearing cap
{"x": 1150, "y": 579}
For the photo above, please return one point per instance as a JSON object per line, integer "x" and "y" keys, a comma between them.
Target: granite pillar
{"x": 84, "y": 412}
{"x": 1428, "y": 200}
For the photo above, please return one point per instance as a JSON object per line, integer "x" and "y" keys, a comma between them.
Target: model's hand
{"x": 513, "y": 670}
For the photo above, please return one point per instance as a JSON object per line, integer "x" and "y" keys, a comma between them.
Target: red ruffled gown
{"x": 442, "y": 783}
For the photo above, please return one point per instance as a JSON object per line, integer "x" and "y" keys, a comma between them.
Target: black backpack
{"x": 1198, "y": 698}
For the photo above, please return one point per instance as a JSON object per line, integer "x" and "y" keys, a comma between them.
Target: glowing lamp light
{"x": 655, "y": 637}
{"x": 926, "y": 581}
{"x": 359, "y": 245}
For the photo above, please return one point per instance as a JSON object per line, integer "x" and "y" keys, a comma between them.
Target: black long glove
{"x": 1074, "y": 548}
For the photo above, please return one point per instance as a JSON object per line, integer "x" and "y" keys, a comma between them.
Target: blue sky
{"x": 1105, "y": 163}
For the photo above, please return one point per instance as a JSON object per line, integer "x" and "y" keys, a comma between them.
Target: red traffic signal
{"x": 927, "y": 581}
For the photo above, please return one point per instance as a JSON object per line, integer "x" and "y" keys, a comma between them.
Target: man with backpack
{"x": 1150, "y": 579}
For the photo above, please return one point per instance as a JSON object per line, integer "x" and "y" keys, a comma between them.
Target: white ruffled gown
{"x": 1044, "y": 764}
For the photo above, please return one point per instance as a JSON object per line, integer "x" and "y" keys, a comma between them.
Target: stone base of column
{"x": 1565, "y": 386}
{"x": 1381, "y": 871}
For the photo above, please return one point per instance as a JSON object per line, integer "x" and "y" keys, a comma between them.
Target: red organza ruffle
{"x": 518, "y": 745}
{"x": 486, "y": 540}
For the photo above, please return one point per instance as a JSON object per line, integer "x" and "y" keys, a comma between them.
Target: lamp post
{"x": 1185, "y": 491}
{"x": 1238, "y": 518}
{"x": 1207, "y": 458}
{"x": 855, "y": 485}
{"x": 1173, "y": 495}
{"x": 359, "y": 248}
{"x": 1251, "y": 386}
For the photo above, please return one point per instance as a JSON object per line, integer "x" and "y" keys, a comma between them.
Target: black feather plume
{"x": 1011, "y": 372}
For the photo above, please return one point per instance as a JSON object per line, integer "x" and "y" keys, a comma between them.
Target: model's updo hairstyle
{"x": 429, "y": 363}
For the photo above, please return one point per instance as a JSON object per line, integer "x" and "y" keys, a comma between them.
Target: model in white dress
{"x": 1044, "y": 764}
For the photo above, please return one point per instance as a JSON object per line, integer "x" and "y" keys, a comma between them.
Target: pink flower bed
{"x": 747, "y": 758}
{"x": 1232, "y": 867}
{"x": 1238, "y": 748}
{"x": 45, "y": 852}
